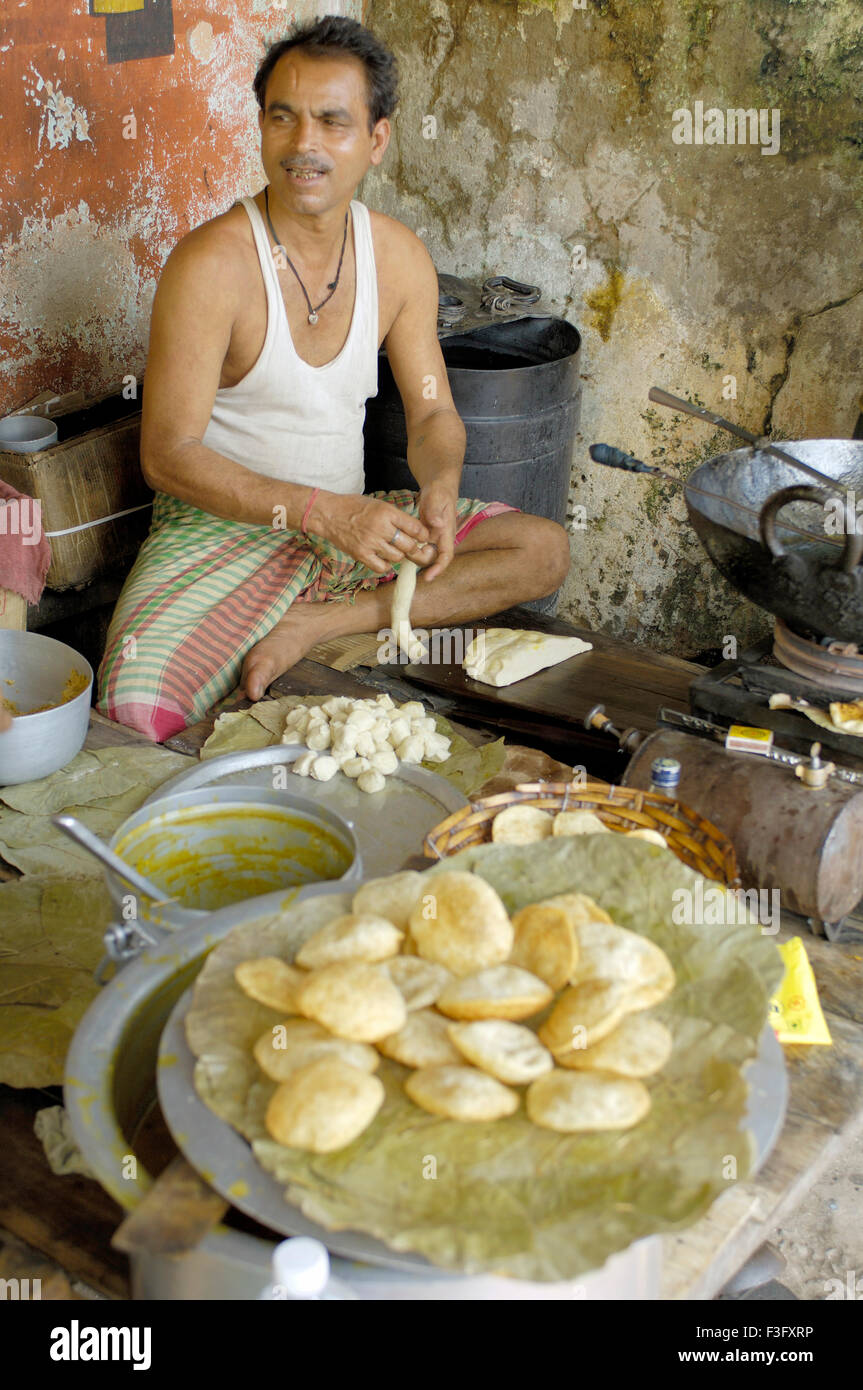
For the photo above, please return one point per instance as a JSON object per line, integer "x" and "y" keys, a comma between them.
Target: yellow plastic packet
{"x": 795, "y": 1011}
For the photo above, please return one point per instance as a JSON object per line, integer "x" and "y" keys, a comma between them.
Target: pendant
{"x": 313, "y": 318}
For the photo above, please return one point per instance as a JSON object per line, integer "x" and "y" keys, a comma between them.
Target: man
{"x": 263, "y": 350}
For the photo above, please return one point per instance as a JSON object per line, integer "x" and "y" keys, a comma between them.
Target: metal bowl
{"x": 33, "y": 672}
{"x": 218, "y": 846}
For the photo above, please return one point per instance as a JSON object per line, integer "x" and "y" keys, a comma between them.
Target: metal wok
{"x": 813, "y": 585}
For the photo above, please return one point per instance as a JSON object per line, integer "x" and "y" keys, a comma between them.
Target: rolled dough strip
{"x": 400, "y": 616}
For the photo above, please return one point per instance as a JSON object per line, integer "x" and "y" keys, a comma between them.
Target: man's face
{"x": 316, "y": 123}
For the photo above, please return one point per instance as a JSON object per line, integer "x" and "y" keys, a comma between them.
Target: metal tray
{"x": 214, "y": 1148}
{"x": 390, "y": 825}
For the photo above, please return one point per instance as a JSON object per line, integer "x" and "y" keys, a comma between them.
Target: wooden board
{"x": 632, "y": 682}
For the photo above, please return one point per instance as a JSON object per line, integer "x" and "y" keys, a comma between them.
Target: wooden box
{"x": 91, "y": 473}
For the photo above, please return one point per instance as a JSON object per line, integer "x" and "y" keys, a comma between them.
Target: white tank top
{"x": 291, "y": 421}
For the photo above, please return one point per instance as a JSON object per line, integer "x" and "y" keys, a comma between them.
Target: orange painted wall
{"x": 88, "y": 217}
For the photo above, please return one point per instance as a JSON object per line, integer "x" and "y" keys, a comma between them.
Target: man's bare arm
{"x": 436, "y": 435}
{"x": 193, "y": 315}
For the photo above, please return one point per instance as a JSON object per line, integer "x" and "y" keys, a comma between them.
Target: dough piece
{"x": 282, "y": 1049}
{"x": 501, "y": 991}
{"x": 385, "y": 701}
{"x": 355, "y": 767}
{"x": 319, "y": 737}
{"x": 521, "y": 825}
{"x": 508, "y": 1051}
{"x": 336, "y": 704}
{"x": 545, "y": 943}
{"x": 412, "y": 709}
{"x": 400, "y": 613}
{"x": 437, "y": 748}
{"x": 847, "y": 715}
{"x": 270, "y": 981}
{"x": 324, "y": 768}
{"x": 460, "y": 1093}
{"x": 353, "y": 999}
{"x": 411, "y": 749}
{"x": 366, "y": 745}
{"x": 353, "y": 936}
{"x": 461, "y": 923}
{"x": 360, "y": 718}
{"x": 639, "y": 1046}
{"x": 501, "y": 655}
{"x": 652, "y": 837}
{"x": 419, "y": 981}
{"x": 371, "y": 780}
{"x": 391, "y": 897}
{"x": 422, "y": 1042}
{"x": 304, "y": 764}
{"x": 323, "y": 1106}
{"x": 609, "y": 952}
{"x": 579, "y": 823}
{"x": 384, "y": 761}
{"x": 584, "y": 1102}
{"x": 345, "y": 739}
{"x": 585, "y": 1014}
{"x": 399, "y": 730}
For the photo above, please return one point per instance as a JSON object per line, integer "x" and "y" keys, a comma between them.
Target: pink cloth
{"x": 25, "y": 554}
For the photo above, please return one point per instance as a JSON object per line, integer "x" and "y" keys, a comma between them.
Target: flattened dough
{"x": 270, "y": 981}
{"x": 573, "y": 1102}
{"x": 501, "y": 991}
{"x": 461, "y": 923}
{"x": 353, "y": 936}
{"x": 298, "y": 1041}
{"x": 354, "y": 1000}
{"x": 323, "y": 1106}
{"x": 508, "y": 1051}
{"x": 423, "y": 1042}
{"x": 460, "y": 1093}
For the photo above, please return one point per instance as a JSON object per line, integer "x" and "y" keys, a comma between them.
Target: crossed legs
{"x": 503, "y": 560}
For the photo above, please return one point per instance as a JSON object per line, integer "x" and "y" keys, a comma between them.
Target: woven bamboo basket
{"x": 696, "y": 841}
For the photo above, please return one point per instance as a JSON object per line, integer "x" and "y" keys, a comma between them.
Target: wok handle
{"x": 665, "y": 398}
{"x": 807, "y": 492}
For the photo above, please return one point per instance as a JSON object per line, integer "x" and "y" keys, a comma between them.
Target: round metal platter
{"x": 225, "y": 1159}
{"x": 390, "y": 825}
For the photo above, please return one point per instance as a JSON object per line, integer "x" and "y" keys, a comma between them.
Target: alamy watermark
{"x": 723, "y": 907}
{"x": 22, "y": 516}
{"x": 736, "y": 126}
{"x": 441, "y": 646}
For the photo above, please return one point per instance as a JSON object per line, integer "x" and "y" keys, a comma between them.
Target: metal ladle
{"x": 71, "y": 826}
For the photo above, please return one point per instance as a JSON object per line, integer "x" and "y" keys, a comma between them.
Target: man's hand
{"x": 437, "y": 509}
{"x": 5, "y": 720}
{"x": 374, "y": 532}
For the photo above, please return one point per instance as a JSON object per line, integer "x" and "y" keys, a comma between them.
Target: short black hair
{"x": 336, "y": 35}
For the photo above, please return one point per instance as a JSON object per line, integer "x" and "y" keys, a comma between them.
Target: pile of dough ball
{"x": 522, "y": 824}
{"x": 364, "y": 739}
{"x": 434, "y": 974}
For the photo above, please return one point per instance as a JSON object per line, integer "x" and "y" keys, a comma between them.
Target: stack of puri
{"x": 432, "y": 972}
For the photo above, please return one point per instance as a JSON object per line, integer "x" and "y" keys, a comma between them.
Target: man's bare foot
{"x": 294, "y": 635}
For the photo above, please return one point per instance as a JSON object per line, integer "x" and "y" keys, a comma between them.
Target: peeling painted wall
{"x": 698, "y": 262}
{"x": 106, "y": 166}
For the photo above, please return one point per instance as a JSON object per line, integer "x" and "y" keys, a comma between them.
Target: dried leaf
{"x": 51, "y": 942}
{"x": 100, "y": 776}
{"x": 235, "y": 732}
{"x": 467, "y": 768}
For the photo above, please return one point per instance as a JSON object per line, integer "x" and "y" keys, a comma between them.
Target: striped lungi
{"x": 204, "y": 591}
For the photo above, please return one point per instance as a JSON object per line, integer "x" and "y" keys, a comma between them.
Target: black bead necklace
{"x": 332, "y": 286}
